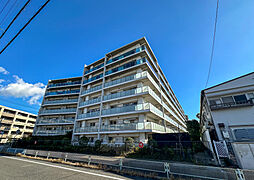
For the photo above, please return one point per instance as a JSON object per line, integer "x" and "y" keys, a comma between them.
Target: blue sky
{"x": 68, "y": 34}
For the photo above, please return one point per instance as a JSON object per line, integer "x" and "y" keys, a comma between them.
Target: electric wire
{"x": 214, "y": 35}
{"x": 14, "y": 18}
{"x": 3, "y": 20}
{"x": 4, "y": 6}
{"x": 24, "y": 26}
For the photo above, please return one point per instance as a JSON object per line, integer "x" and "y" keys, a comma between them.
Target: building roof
{"x": 229, "y": 81}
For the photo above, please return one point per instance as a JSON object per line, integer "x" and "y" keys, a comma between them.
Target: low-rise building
{"x": 15, "y": 124}
{"x": 227, "y": 117}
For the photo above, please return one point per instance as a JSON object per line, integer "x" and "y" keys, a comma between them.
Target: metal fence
{"x": 161, "y": 168}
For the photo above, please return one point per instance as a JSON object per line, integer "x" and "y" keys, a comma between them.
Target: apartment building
{"x": 15, "y": 124}
{"x": 126, "y": 94}
{"x": 227, "y": 117}
{"x": 58, "y": 109}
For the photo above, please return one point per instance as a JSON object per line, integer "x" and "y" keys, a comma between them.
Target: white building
{"x": 58, "y": 109}
{"x": 227, "y": 114}
{"x": 124, "y": 94}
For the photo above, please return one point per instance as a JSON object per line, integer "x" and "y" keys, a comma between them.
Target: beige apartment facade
{"x": 15, "y": 124}
{"x": 58, "y": 109}
{"x": 126, "y": 94}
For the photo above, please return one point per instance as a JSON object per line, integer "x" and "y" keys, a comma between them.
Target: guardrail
{"x": 162, "y": 169}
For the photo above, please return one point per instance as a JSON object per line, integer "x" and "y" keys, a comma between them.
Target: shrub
{"x": 83, "y": 141}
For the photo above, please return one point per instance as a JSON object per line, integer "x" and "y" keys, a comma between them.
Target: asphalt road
{"x": 25, "y": 169}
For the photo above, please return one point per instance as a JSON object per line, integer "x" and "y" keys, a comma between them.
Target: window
{"x": 92, "y": 124}
{"x": 240, "y": 99}
{"x": 228, "y": 100}
{"x": 111, "y": 139}
{"x": 251, "y": 95}
{"x": 112, "y": 122}
{"x": 215, "y": 101}
{"x": 244, "y": 134}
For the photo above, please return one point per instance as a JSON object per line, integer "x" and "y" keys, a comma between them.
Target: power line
{"x": 8, "y": 13}
{"x": 214, "y": 34}
{"x": 14, "y": 18}
{"x": 24, "y": 26}
{"x": 4, "y": 7}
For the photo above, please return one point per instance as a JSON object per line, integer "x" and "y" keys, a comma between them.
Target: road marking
{"x": 61, "y": 167}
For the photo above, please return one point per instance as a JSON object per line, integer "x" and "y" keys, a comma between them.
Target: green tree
{"x": 83, "y": 141}
{"x": 97, "y": 145}
{"x": 193, "y": 127}
{"x": 129, "y": 142}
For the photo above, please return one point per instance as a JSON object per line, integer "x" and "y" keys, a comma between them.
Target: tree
{"x": 83, "y": 141}
{"x": 193, "y": 127}
{"x": 129, "y": 143}
{"x": 97, "y": 145}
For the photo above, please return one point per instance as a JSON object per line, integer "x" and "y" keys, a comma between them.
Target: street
{"x": 21, "y": 168}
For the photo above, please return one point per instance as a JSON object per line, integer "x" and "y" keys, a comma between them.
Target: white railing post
{"x": 121, "y": 164}
{"x": 66, "y": 155}
{"x": 167, "y": 169}
{"x": 89, "y": 160}
{"x": 239, "y": 174}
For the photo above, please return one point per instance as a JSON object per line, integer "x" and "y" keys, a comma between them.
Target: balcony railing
{"x": 62, "y": 92}
{"x": 131, "y": 52}
{"x": 55, "y": 121}
{"x": 90, "y": 114}
{"x": 91, "y": 101}
{"x": 95, "y": 68}
{"x": 232, "y": 104}
{"x": 51, "y": 132}
{"x": 125, "y": 127}
{"x": 114, "y": 82}
{"x": 61, "y": 101}
{"x": 95, "y": 88}
{"x": 126, "y": 78}
{"x": 48, "y": 111}
{"x": 126, "y": 66}
{"x": 64, "y": 84}
{"x": 93, "y": 78}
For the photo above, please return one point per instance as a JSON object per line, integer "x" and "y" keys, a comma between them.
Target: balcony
{"x": 64, "y": 84}
{"x": 51, "y": 132}
{"x": 93, "y": 78}
{"x": 56, "y": 121}
{"x": 126, "y": 79}
{"x": 95, "y": 88}
{"x": 62, "y": 92}
{"x": 53, "y": 111}
{"x": 117, "y": 110}
{"x": 131, "y": 52}
{"x": 147, "y": 126}
{"x": 62, "y": 101}
{"x": 126, "y": 66}
{"x": 232, "y": 105}
{"x": 95, "y": 68}
{"x": 90, "y": 101}
{"x": 5, "y": 121}
{"x": 88, "y": 115}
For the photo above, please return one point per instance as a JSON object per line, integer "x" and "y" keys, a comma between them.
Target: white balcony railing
{"x": 49, "y": 111}
{"x": 55, "y": 121}
{"x": 51, "y": 132}
{"x": 61, "y": 101}
{"x": 125, "y": 127}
